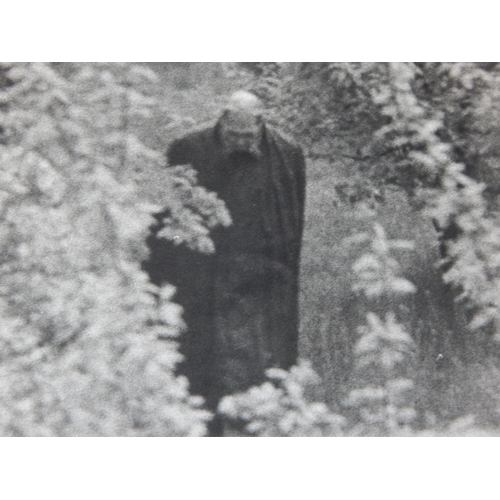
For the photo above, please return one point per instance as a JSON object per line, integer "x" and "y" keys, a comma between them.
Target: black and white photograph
{"x": 300, "y": 250}
{"x": 250, "y": 249}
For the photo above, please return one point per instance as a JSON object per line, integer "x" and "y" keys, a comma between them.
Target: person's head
{"x": 241, "y": 123}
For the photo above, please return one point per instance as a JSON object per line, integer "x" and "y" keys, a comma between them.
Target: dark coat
{"x": 241, "y": 303}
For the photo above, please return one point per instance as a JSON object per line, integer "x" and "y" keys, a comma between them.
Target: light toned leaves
{"x": 283, "y": 407}
{"x": 86, "y": 340}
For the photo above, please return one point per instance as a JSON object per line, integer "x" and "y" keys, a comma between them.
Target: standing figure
{"x": 240, "y": 303}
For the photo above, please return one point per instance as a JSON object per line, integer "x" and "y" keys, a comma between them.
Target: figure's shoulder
{"x": 187, "y": 148}
{"x": 200, "y": 134}
{"x": 283, "y": 140}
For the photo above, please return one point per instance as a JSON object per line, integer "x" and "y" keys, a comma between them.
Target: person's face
{"x": 241, "y": 131}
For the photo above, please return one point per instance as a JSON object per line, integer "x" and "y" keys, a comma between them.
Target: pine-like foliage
{"x": 384, "y": 352}
{"x": 80, "y": 324}
{"x": 283, "y": 406}
{"x": 429, "y": 129}
{"x": 440, "y": 183}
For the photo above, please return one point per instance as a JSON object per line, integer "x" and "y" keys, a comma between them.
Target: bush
{"x": 88, "y": 344}
{"x": 428, "y": 129}
{"x": 283, "y": 406}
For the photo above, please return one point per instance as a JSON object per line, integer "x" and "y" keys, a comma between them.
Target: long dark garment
{"x": 241, "y": 303}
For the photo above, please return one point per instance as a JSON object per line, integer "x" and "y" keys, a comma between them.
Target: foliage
{"x": 205, "y": 211}
{"x": 283, "y": 406}
{"x": 385, "y": 352}
{"x": 457, "y": 200}
{"x": 88, "y": 344}
{"x": 427, "y": 128}
{"x": 72, "y": 235}
{"x": 424, "y": 130}
{"x": 383, "y": 401}
{"x": 377, "y": 271}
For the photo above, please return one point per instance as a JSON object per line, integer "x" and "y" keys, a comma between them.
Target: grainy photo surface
{"x": 249, "y": 249}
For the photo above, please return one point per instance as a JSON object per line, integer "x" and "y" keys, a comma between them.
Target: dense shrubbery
{"x": 427, "y": 128}
{"x": 283, "y": 406}
{"x": 80, "y": 322}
